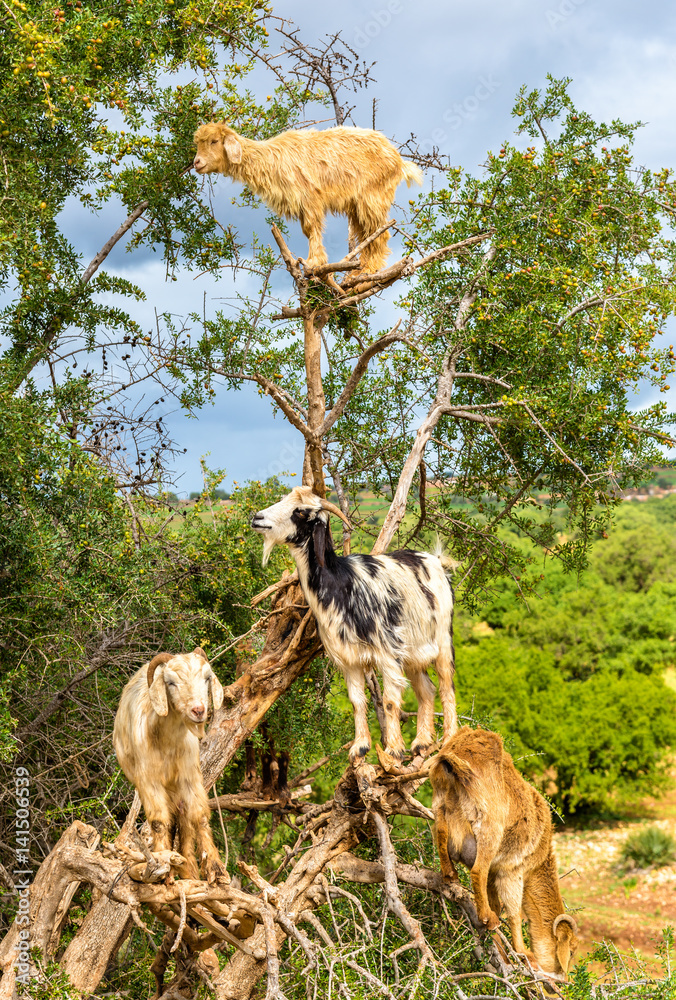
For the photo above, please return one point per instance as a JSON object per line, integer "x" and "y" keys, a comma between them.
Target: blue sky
{"x": 448, "y": 72}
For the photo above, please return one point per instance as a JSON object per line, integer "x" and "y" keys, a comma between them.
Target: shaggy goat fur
{"x": 392, "y": 612}
{"x": 490, "y": 818}
{"x": 305, "y": 174}
{"x": 159, "y": 723}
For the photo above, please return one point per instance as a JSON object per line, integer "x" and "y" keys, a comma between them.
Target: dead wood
{"x": 363, "y": 799}
{"x": 50, "y": 896}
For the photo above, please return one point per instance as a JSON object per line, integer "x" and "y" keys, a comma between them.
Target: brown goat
{"x": 304, "y": 174}
{"x": 490, "y": 818}
{"x": 158, "y": 725}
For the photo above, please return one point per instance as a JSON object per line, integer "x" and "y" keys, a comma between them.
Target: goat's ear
{"x": 233, "y": 148}
{"x": 564, "y": 931}
{"x": 216, "y": 691}
{"x": 200, "y": 652}
{"x": 319, "y": 541}
{"x": 158, "y": 694}
{"x": 156, "y": 662}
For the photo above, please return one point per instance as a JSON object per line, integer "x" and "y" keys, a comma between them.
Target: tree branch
{"x": 353, "y": 381}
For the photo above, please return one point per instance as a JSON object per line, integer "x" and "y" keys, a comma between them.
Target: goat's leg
{"x": 486, "y": 851}
{"x": 355, "y": 233}
{"x": 372, "y": 217}
{"x": 159, "y": 815}
{"x": 313, "y": 228}
{"x": 448, "y": 869}
{"x": 393, "y": 685}
{"x": 186, "y": 844}
{"x": 492, "y": 893}
{"x": 198, "y": 829}
{"x": 510, "y": 890}
{"x": 424, "y": 692}
{"x": 214, "y": 869}
{"x": 354, "y": 679}
{"x": 445, "y": 664}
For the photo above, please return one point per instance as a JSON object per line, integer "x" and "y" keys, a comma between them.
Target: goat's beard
{"x": 268, "y": 546}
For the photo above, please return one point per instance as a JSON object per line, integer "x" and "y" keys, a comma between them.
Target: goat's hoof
{"x": 491, "y": 920}
{"x": 310, "y": 264}
{"x": 397, "y": 753}
{"x": 358, "y": 752}
{"x": 421, "y": 747}
{"x": 217, "y": 873}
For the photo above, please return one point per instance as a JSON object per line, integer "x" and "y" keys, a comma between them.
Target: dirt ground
{"x": 629, "y": 908}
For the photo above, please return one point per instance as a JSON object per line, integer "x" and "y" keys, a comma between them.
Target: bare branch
{"x": 353, "y": 381}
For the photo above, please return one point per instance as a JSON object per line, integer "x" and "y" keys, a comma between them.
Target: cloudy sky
{"x": 448, "y": 72}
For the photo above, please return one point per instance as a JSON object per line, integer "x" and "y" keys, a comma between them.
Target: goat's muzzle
{"x": 198, "y": 712}
{"x": 258, "y": 522}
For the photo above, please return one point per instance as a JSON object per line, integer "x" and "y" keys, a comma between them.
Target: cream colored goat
{"x": 490, "y": 818}
{"x": 159, "y": 723}
{"x": 304, "y": 174}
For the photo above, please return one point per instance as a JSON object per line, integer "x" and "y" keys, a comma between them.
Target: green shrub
{"x": 650, "y": 847}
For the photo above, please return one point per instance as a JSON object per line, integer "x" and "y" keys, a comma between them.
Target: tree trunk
{"x": 102, "y": 932}
{"x": 316, "y": 410}
{"x": 288, "y": 651}
{"x": 50, "y": 896}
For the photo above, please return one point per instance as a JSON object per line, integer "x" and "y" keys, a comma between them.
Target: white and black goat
{"x": 392, "y": 612}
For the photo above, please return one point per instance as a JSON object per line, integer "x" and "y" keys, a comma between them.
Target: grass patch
{"x": 651, "y": 847}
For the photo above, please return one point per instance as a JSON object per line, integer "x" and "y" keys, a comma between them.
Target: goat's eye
{"x": 301, "y": 513}
{"x": 171, "y": 684}
{"x": 214, "y": 141}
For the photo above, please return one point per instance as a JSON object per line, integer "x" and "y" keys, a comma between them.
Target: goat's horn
{"x": 331, "y": 507}
{"x": 155, "y": 663}
{"x": 564, "y": 918}
{"x": 200, "y": 652}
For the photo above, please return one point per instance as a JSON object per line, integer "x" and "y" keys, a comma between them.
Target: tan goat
{"x": 304, "y": 174}
{"x": 159, "y": 723}
{"x": 499, "y": 826}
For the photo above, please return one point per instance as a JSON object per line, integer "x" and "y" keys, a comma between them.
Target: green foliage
{"x": 650, "y": 847}
{"x": 621, "y": 977}
{"x": 576, "y": 680}
{"x": 91, "y": 585}
{"x": 90, "y": 108}
{"x": 54, "y": 984}
{"x": 572, "y": 219}
{"x": 216, "y": 494}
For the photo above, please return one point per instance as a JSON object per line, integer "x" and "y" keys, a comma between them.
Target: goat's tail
{"x": 450, "y": 565}
{"x": 454, "y": 767}
{"x": 411, "y": 173}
